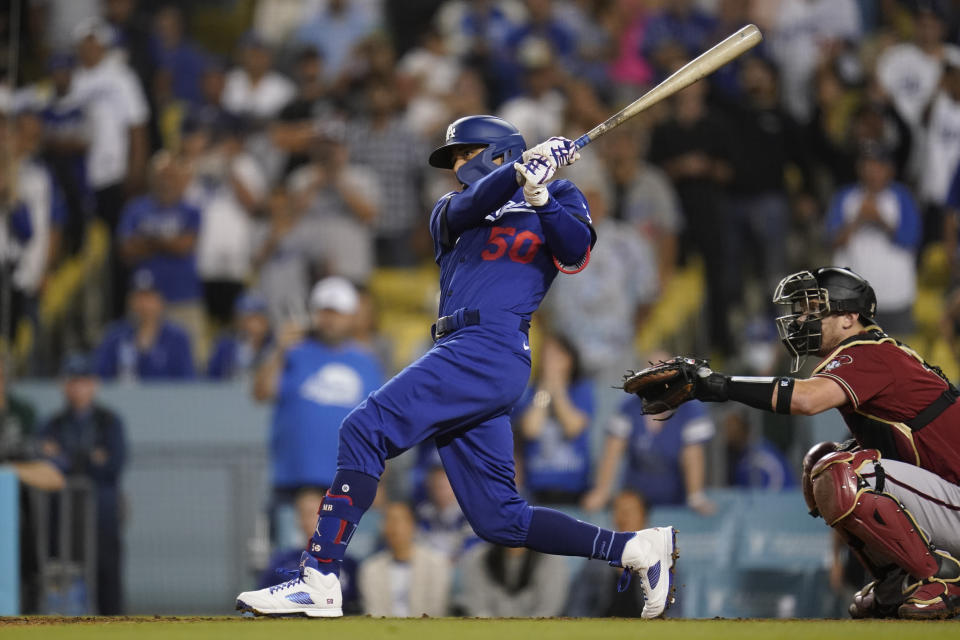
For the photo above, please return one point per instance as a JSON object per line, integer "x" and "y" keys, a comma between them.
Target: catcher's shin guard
{"x": 873, "y": 522}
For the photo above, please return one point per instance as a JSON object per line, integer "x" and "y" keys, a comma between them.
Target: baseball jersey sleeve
{"x": 862, "y": 373}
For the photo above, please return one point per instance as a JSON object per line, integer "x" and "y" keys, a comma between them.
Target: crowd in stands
{"x": 254, "y": 164}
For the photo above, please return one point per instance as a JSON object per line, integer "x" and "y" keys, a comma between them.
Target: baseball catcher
{"x": 891, "y": 492}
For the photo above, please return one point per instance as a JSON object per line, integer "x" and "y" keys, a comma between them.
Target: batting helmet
{"x": 811, "y": 297}
{"x": 500, "y": 139}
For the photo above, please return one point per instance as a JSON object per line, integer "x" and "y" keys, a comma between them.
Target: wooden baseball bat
{"x": 703, "y": 65}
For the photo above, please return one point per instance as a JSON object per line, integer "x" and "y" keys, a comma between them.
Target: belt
{"x": 463, "y": 318}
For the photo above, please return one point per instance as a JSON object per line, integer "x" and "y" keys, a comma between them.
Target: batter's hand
{"x": 562, "y": 151}
{"x": 534, "y": 173}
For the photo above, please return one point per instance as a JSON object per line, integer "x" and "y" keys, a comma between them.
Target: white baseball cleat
{"x": 652, "y": 555}
{"x": 310, "y": 593}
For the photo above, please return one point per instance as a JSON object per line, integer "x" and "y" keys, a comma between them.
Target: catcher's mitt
{"x": 666, "y": 385}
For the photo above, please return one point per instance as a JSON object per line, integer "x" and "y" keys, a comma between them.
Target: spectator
{"x": 542, "y": 36}
{"x": 173, "y": 52}
{"x": 595, "y": 591}
{"x": 131, "y": 30}
{"x": 342, "y": 198}
{"x": 666, "y": 457}
{"x": 239, "y": 353}
{"x": 228, "y": 186}
{"x": 117, "y": 113}
{"x": 693, "y": 148}
{"x": 804, "y": 35}
{"x": 552, "y": 420}
{"x": 158, "y": 233}
{"x": 87, "y": 440}
{"x": 642, "y": 194}
{"x": 677, "y": 32}
{"x": 314, "y": 380}
{"x": 941, "y": 147}
{"x": 335, "y": 31}
{"x": 875, "y": 229}
{"x": 440, "y": 522}
{"x": 910, "y": 71}
{"x": 146, "y": 346}
{"x": 407, "y": 579}
{"x": 537, "y": 110}
{"x": 769, "y": 143}
{"x": 28, "y": 206}
{"x": 66, "y": 138}
{"x": 629, "y": 66}
{"x": 429, "y": 74}
{"x": 253, "y": 90}
{"x": 295, "y": 129}
{"x": 383, "y": 143}
{"x": 504, "y": 582}
{"x": 612, "y": 296}
{"x": 475, "y": 29}
{"x": 753, "y": 462}
{"x": 307, "y": 503}
{"x": 368, "y": 332}
{"x": 288, "y": 252}
{"x": 17, "y": 422}
{"x": 17, "y": 452}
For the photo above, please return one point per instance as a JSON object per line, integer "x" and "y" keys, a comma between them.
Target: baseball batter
{"x": 892, "y": 492}
{"x": 500, "y": 241}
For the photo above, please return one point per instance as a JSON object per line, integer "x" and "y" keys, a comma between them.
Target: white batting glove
{"x": 563, "y": 151}
{"x": 535, "y": 173}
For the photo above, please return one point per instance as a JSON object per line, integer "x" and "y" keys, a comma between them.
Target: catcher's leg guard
{"x": 874, "y": 523}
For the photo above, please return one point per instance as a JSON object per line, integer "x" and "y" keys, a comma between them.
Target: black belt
{"x": 463, "y": 318}
{"x": 934, "y": 409}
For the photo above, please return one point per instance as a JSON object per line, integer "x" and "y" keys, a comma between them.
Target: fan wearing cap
{"x": 86, "y": 439}
{"x": 116, "y": 111}
{"x": 240, "y": 351}
{"x": 314, "y": 379}
{"x": 145, "y": 345}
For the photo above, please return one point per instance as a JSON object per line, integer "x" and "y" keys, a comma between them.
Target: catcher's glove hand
{"x": 666, "y": 385}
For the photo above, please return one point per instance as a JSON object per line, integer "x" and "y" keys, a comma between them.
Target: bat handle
{"x": 582, "y": 141}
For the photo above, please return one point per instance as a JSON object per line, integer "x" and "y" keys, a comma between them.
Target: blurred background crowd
{"x": 237, "y": 191}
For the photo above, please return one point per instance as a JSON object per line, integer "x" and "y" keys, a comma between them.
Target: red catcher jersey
{"x": 886, "y": 384}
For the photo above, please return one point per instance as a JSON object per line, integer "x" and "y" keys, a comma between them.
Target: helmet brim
{"x": 442, "y": 157}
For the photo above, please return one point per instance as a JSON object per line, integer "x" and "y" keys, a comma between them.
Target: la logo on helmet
{"x": 451, "y": 131}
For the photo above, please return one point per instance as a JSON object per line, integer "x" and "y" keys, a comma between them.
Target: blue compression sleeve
{"x": 567, "y": 237}
{"x": 473, "y": 204}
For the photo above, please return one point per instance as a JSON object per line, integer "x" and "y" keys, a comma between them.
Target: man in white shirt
{"x": 254, "y": 90}
{"x": 875, "y": 228}
{"x": 117, "y": 112}
{"x": 910, "y": 71}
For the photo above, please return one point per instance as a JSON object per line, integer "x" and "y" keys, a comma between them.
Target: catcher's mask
{"x": 813, "y": 296}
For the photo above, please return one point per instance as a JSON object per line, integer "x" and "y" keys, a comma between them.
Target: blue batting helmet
{"x": 500, "y": 138}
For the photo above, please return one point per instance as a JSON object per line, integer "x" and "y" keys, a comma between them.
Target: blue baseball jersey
{"x": 653, "y": 454}
{"x": 502, "y": 261}
{"x": 169, "y": 357}
{"x": 319, "y": 385}
{"x": 175, "y": 275}
{"x": 553, "y": 462}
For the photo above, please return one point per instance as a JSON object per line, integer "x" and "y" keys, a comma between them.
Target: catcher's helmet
{"x": 500, "y": 138}
{"x": 812, "y": 296}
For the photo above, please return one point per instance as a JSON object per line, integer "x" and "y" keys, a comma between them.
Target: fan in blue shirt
{"x": 144, "y": 345}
